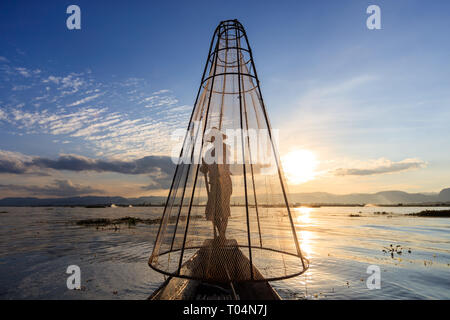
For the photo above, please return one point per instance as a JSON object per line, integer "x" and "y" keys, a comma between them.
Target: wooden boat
{"x": 212, "y": 264}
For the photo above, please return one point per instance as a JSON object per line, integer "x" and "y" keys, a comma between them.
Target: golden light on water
{"x": 299, "y": 166}
{"x": 303, "y": 214}
{"x": 304, "y": 219}
{"x": 306, "y": 243}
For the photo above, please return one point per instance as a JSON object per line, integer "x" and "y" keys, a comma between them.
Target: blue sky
{"x": 358, "y": 99}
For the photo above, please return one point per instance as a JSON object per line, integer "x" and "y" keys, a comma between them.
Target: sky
{"x": 91, "y": 111}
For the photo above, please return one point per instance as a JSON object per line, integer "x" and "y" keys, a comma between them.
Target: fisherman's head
{"x": 214, "y": 134}
{"x": 215, "y": 153}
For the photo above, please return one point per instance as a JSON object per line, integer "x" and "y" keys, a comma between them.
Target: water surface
{"x": 38, "y": 244}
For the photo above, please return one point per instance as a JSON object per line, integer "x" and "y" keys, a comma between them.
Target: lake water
{"x": 38, "y": 244}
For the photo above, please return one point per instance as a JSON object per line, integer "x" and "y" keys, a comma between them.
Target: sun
{"x": 299, "y": 166}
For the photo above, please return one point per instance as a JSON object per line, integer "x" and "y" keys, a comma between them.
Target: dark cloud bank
{"x": 158, "y": 168}
{"x": 146, "y": 165}
{"x": 59, "y": 188}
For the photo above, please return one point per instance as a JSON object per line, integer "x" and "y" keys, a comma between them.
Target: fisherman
{"x": 219, "y": 188}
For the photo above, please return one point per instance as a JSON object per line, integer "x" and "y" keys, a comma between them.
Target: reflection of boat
{"x": 213, "y": 263}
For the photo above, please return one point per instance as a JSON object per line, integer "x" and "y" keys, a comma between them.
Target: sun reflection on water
{"x": 305, "y": 238}
{"x": 304, "y": 219}
{"x": 303, "y": 214}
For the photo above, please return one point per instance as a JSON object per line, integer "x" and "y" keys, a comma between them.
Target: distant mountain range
{"x": 80, "y": 201}
{"x": 384, "y": 197}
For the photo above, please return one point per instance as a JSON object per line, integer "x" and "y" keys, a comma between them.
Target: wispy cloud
{"x": 158, "y": 101}
{"x": 97, "y": 127}
{"x": 381, "y": 166}
{"x": 2, "y": 115}
{"x": 53, "y": 123}
{"x": 24, "y": 72}
{"x": 126, "y": 123}
{"x": 53, "y": 79}
{"x": 20, "y": 87}
{"x": 84, "y": 100}
{"x": 68, "y": 84}
{"x": 161, "y": 91}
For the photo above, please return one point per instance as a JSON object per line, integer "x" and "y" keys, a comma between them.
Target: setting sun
{"x": 299, "y": 166}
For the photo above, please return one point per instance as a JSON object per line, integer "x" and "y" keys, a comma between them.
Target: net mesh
{"x": 227, "y": 216}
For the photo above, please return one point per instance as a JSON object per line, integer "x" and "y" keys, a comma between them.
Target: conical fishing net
{"x": 227, "y": 216}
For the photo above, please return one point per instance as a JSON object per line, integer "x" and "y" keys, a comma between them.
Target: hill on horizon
{"x": 382, "y": 197}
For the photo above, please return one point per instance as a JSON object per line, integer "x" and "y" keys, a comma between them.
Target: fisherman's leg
{"x": 225, "y": 225}
{"x": 217, "y": 225}
{"x": 214, "y": 228}
{"x": 222, "y": 228}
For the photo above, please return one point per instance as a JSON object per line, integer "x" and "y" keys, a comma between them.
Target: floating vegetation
{"x": 130, "y": 221}
{"x": 101, "y": 222}
{"x": 381, "y": 212}
{"x": 427, "y": 263}
{"x": 292, "y": 295}
{"x": 432, "y": 213}
{"x": 392, "y": 250}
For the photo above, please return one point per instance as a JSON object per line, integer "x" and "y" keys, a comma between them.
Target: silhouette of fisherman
{"x": 219, "y": 187}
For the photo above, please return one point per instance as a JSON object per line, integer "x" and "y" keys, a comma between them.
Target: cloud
{"x": 161, "y": 91}
{"x": 158, "y": 100}
{"x": 3, "y": 59}
{"x": 111, "y": 133}
{"x": 97, "y": 127}
{"x": 84, "y": 100}
{"x": 115, "y": 125}
{"x": 157, "y": 166}
{"x": 68, "y": 84}
{"x": 151, "y": 164}
{"x": 24, "y": 72}
{"x": 2, "y": 115}
{"x": 53, "y": 79}
{"x": 59, "y": 188}
{"x": 54, "y": 123}
{"x": 382, "y": 166}
{"x": 13, "y": 162}
{"x": 181, "y": 108}
{"x": 20, "y": 87}
{"x": 160, "y": 179}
